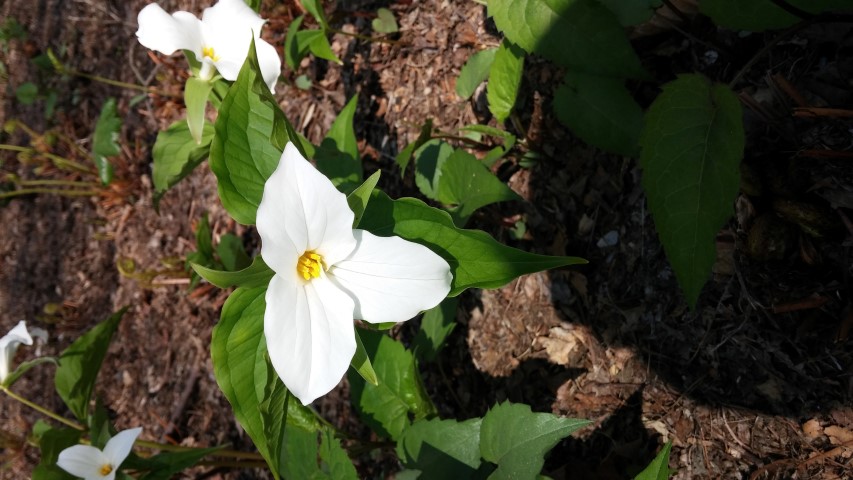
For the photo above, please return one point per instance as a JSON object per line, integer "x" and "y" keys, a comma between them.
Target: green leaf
{"x": 337, "y": 156}
{"x": 582, "y": 35}
{"x": 105, "y": 140}
{"x": 404, "y": 156}
{"x": 386, "y": 407}
{"x": 516, "y": 439}
{"x": 659, "y": 468}
{"x": 251, "y": 132}
{"x": 79, "y": 365}
{"x": 358, "y": 199}
{"x": 601, "y": 112}
{"x": 204, "y": 238}
{"x": 315, "y": 8}
{"x": 294, "y": 50}
{"x": 232, "y": 253}
{"x": 436, "y": 325}
{"x": 254, "y": 4}
{"x": 760, "y": 15}
{"x": 27, "y": 93}
{"x": 384, "y": 22}
{"x": 361, "y": 362}
{"x": 316, "y": 456}
{"x": 319, "y": 45}
{"x": 632, "y": 12}
{"x": 166, "y": 465}
{"x": 238, "y": 350}
{"x": 476, "y": 259}
{"x": 273, "y": 410}
{"x": 429, "y": 159}
{"x": 468, "y": 185}
{"x": 258, "y": 274}
{"x": 196, "y": 92}
{"x": 176, "y": 155}
{"x": 474, "y": 72}
{"x": 442, "y": 448}
{"x": 100, "y": 429}
{"x": 692, "y": 145}
{"x": 505, "y": 79}
{"x": 51, "y": 443}
{"x": 23, "y": 367}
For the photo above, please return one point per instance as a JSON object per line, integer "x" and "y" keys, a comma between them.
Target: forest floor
{"x": 753, "y": 383}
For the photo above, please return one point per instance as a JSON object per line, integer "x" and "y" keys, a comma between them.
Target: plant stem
{"x": 15, "y": 148}
{"x": 42, "y": 410}
{"x": 365, "y": 37}
{"x": 117, "y": 83}
{"x": 57, "y": 183}
{"x": 178, "y": 448}
{"x": 30, "y": 191}
{"x": 226, "y": 463}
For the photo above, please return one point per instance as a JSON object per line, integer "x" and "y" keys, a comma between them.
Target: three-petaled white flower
{"x": 327, "y": 274}
{"x": 90, "y": 463}
{"x": 220, "y": 40}
{"x": 9, "y": 344}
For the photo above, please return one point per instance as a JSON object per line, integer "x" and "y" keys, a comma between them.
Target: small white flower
{"x": 9, "y": 344}
{"x": 327, "y": 274}
{"x": 90, "y": 463}
{"x": 220, "y": 40}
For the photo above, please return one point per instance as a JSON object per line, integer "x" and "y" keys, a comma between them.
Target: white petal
{"x": 83, "y": 461}
{"x": 269, "y": 62}
{"x": 391, "y": 279}
{"x": 119, "y": 447}
{"x": 229, "y": 27}
{"x": 310, "y": 334}
{"x": 9, "y": 344}
{"x": 167, "y": 33}
{"x": 301, "y": 210}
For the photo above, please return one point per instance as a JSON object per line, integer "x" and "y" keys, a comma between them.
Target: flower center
{"x": 106, "y": 469}
{"x": 310, "y": 264}
{"x": 209, "y": 53}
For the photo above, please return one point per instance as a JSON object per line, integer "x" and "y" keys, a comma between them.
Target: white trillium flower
{"x": 220, "y": 40}
{"x": 90, "y": 463}
{"x": 327, "y": 274}
{"x": 9, "y": 344}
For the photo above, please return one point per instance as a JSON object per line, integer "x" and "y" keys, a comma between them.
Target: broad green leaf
{"x": 315, "y": 456}
{"x": 579, "y": 34}
{"x": 79, "y": 365}
{"x": 384, "y": 21}
{"x": 100, "y": 429}
{"x": 273, "y": 410}
{"x": 361, "y": 362}
{"x": 505, "y": 79}
{"x": 105, "y": 140}
{"x": 196, "y": 92}
{"x": 51, "y": 442}
{"x": 258, "y": 274}
{"x": 23, "y": 367}
{"x": 294, "y": 50}
{"x": 320, "y": 47}
{"x": 337, "y": 156}
{"x": 166, "y": 465}
{"x": 27, "y": 93}
{"x": 601, "y": 112}
{"x": 232, "y": 253}
{"x": 251, "y": 132}
{"x": 659, "y": 468}
{"x": 468, "y": 185}
{"x": 358, "y": 199}
{"x": 299, "y": 43}
{"x": 386, "y": 407}
{"x": 474, "y": 72}
{"x": 315, "y": 8}
{"x": 476, "y": 259}
{"x": 429, "y": 159}
{"x": 692, "y": 144}
{"x": 436, "y": 325}
{"x": 176, "y": 155}
{"x": 760, "y": 15}
{"x": 632, "y": 12}
{"x": 516, "y": 439}
{"x": 442, "y": 448}
{"x": 204, "y": 238}
{"x": 404, "y": 156}
{"x": 238, "y": 350}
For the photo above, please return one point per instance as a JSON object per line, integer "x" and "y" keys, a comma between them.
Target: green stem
{"x": 365, "y": 37}
{"x": 64, "y": 163}
{"x": 117, "y": 83}
{"x": 15, "y": 148}
{"x": 178, "y": 448}
{"x": 30, "y": 191}
{"x": 42, "y": 410}
{"x": 229, "y": 464}
{"x": 56, "y": 183}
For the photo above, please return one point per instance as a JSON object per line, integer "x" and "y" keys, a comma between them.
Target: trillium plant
{"x": 340, "y": 264}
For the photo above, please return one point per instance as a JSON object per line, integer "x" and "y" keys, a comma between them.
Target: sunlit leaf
{"x": 505, "y": 79}
{"x": 258, "y": 274}
{"x": 442, "y": 448}
{"x": 384, "y": 21}
{"x": 105, "y": 140}
{"x": 176, "y": 155}
{"x": 474, "y": 72}
{"x": 659, "y": 468}
{"x": 466, "y": 184}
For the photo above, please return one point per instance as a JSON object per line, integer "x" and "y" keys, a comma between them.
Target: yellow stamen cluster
{"x": 209, "y": 53}
{"x": 106, "y": 469}
{"x": 309, "y": 265}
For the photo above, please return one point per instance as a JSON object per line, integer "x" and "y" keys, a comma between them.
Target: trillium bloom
{"x": 90, "y": 463}
{"x": 9, "y": 344}
{"x": 327, "y": 274}
{"x": 220, "y": 40}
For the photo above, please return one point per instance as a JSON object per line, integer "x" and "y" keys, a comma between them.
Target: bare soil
{"x": 753, "y": 383}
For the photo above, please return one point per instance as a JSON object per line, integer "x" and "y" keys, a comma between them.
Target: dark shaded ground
{"x": 754, "y": 383}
